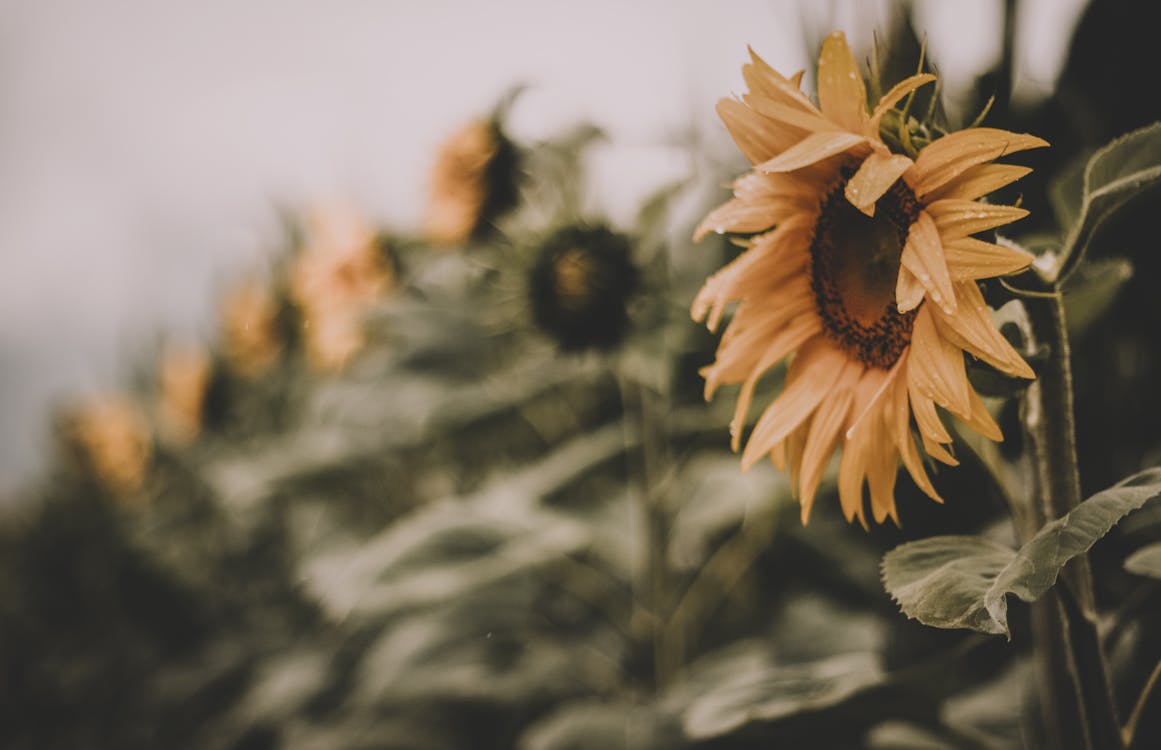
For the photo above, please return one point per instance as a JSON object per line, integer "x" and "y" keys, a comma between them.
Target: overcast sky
{"x": 144, "y": 144}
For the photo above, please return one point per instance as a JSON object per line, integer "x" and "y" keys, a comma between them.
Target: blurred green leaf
{"x": 1115, "y": 174}
{"x": 1146, "y": 561}
{"x": 1066, "y": 191}
{"x": 765, "y": 693}
{"x": 963, "y": 581}
{"x": 1092, "y": 290}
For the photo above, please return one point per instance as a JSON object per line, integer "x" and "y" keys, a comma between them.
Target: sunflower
{"x": 470, "y": 183}
{"x": 340, "y": 274}
{"x": 110, "y": 436}
{"x": 183, "y": 381}
{"x": 251, "y": 340}
{"x": 862, "y": 269}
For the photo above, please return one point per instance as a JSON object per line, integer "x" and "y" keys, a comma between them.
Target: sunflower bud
{"x": 580, "y": 286}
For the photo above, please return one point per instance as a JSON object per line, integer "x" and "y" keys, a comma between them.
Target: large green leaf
{"x": 963, "y": 581}
{"x": 1115, "y": 173}
{"x": 1146, "y": 561}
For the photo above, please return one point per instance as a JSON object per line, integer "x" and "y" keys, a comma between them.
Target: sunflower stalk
{"x": 1076, "y": 695}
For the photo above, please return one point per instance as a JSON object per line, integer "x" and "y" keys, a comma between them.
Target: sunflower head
{"x": 472, "y": 182}
{"x": 861, "y": 269}
{"x": 183, "y": 381}
{"x": 250, "y": 330}
{"x": 342, "y": 270}
{"x": 580, "y": 286}
{"x": 109, "y": 436}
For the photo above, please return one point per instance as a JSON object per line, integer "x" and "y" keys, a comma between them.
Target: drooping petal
{"x": 758, "y": 138}
{"x": 852, "y": 470}
{"x": 897, "y": 421}
{"x": 923, "y": 256}
{"x": 788, "y": 115}
{"x": 972, "y": 259}
{"x": 971, "y": 329}
{"x": 882, "y": 469}
{"x": 981, "y": 420}
{"x": 825, "y": 429}
{"x": 793, "y": 336}
{"x": 841, "y": 93}
{"x": 978, "y": 181}
{"x": 810, "y": 150}
{"x": 892, "y": 97}
{"x": 936, "y": 366}
{"x": 876, "y": 175}
{"x": 955, "y": 218}
{"x": 950, "y": 156}
{"x": 810, "y": 378}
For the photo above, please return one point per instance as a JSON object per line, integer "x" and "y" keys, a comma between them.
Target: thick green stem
{"x": 1075, "y": 692}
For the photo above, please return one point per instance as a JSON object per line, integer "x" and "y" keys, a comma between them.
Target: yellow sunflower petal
{"x": 923, "y": 256}
{"x": 897, "y": 421}
{"x": 809, "y": 380}
{"x": 892, "y": 97}
{"x": 825, "y": 429}
{"x": 955, "y": 218}
{"x": 978, "y": 181}
{"x": 785, "y": 114}
{"x": 760, "y": 201}
{"x": 972, "y": 330}
{"x": 811, "y": 150}
{"x": 939, "y": 452}
{"x": 936, "y": 366}
{"x": 876, "y": 175}
{"x": 758, "y": 138}
{"x": 981, "y": 420}
{"x": 951, "y": 155}
{"x": 882, "y": 469}
{"x": 909, "y": 291}
{"x": 972, "y": 259}
{"x": 762, "y": 79}
{"x": 788, "y": 339}
{"x": 841, "y": 93}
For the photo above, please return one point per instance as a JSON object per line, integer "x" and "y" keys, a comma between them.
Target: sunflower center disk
{"x": 855, "y": 267}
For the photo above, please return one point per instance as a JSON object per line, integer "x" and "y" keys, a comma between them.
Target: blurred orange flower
{"x": 458, "y": 190}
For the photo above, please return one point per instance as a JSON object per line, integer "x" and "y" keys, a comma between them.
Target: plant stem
{"x": 1076, "y": 697}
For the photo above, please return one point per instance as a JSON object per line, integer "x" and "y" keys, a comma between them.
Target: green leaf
{"x": 942, "y": 580}
{"x": 1092, "y": 290}
{"x": 769, "y": 693}
{"x": 1115, "y": 173}
{"x": 963, "y": 581}
{"x": 1146, "y": 561}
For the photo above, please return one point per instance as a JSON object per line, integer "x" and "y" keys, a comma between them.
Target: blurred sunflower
{"x": 251, "y": 341}
{"x": 110, "y": 437}
{"x": 341, "y": 272}
{"x": 183, "y": 380}
{"x": 863, "y": 268}
{"x": 472, "y": 181}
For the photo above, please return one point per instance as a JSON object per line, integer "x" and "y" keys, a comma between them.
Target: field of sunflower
{"x": 487, "y": 485}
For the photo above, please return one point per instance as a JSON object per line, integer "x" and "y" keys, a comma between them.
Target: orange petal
{"x": 981, "y": 420}
{"x": 810, "y": 150}
{"x": 971, "y": 329}
{"x": 882, "y": 470}
{"x": 936, "y": 366}
{"x": 757, "y": 137}
{"x": 938, "y": 452}
{"x": 788, "y": 339}
{"x": 810, "y": 378}
{"x": 852, "y": 470}
{"x": 892, "y": 97}
{"x": 908, "y": 291}
{"x": 923, "y": 256}
{"x": 971, "y": 259}
{"x": 762, "y": 79}
{"x": 824, "y": 432}
{"x": 897, "y": 419}
{"x": 951, "y": 155}
{"x": 841, "y": 93}
{"x": 955, "y": 218}
{"x": 978, "y": 181}
{"x": 875, "y": 177}
{"x": 808, "y": 121}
